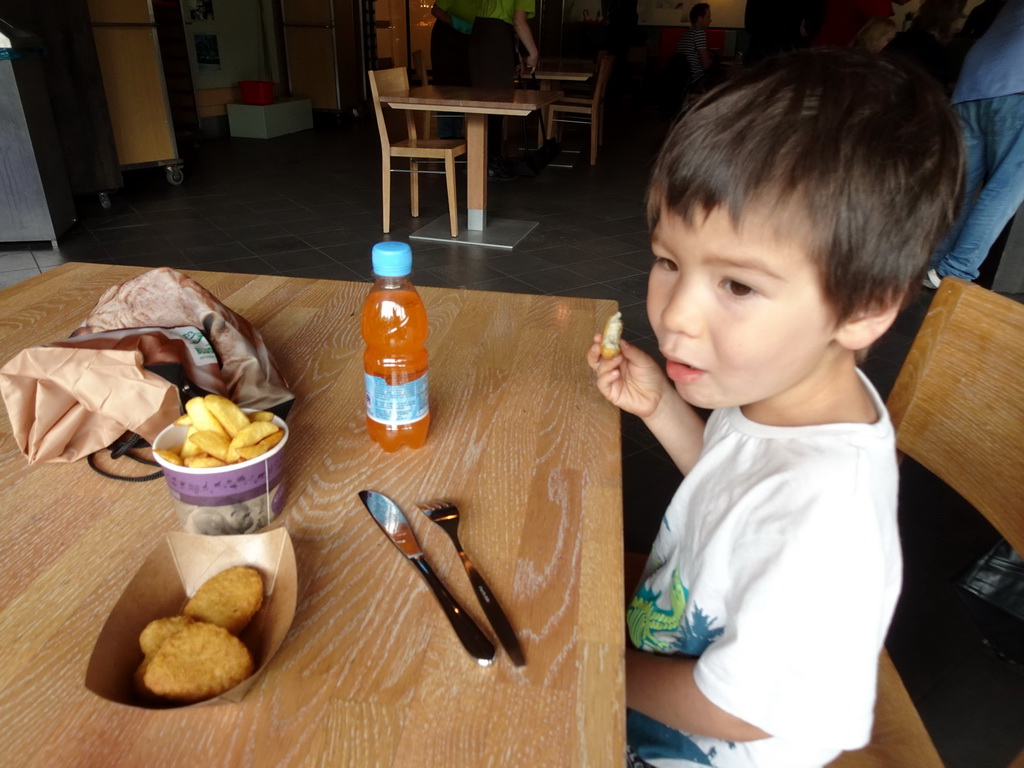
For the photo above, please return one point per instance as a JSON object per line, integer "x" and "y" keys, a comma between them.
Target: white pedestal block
{"x": 277, "y": 119}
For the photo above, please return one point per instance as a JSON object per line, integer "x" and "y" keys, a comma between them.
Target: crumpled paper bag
{"x": 125, "y": 369}
{"x": 67, "y": 403}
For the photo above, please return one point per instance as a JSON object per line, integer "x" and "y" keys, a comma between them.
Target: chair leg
{"x": 414, "y": 188}
{"x": 551, "y": 123}
{"x": 595, "y": 127}
{"x": 386, "y": 189}
{"x": 453, "y": 204}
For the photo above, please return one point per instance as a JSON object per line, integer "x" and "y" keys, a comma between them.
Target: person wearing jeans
{"x": 449, "y": 55}
{"x": 989, "y": 99}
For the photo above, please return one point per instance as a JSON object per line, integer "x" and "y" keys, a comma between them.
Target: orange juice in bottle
{"x": 394, "y": 327}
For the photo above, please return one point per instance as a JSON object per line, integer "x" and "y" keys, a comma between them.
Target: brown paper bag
{"x": 74, "y": 397}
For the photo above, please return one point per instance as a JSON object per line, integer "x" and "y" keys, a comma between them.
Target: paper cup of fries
{"x": 235, "y": 483}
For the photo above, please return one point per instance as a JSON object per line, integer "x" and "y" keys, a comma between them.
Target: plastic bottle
{"x": 394, "y": 327}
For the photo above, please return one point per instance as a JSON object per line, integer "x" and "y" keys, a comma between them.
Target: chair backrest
{"x": 388, "y": 81}
{"x": 958, "y": 403}
{"x": 419, "y": 66}
{"x": 604, "y": 73}
{"x": 958, "y": 409}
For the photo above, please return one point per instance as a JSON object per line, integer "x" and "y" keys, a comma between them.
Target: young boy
{"x": 793, "y": 211}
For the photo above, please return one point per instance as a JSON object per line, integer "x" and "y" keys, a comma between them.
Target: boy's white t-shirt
{"x": 777, "y": 563}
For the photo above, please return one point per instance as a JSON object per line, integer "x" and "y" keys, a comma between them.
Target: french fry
{"x": 189, "y": 448}
{"x": 203, "y": 462}
{"x": 227, "y": 413}
{"x": 251, "y": 435}
{"x": 220, "y": 433}
{"x": 247, "y": 452}
{"x": 215, "y": 444}
{"x": 171, "y": 456}
{"x": 272, "y": 439}
{"x": 202, "y": 419}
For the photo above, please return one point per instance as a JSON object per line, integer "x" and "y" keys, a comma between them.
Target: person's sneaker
{"x": 496, "y": 169}
{"x": 931, "y": 279}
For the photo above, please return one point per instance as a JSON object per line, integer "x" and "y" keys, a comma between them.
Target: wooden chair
{"x": 585, "y": 111}
{"x": 414, "y": 148}
{"x": 958, "y": 409}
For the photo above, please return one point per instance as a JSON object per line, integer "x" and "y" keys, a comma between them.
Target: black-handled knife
{"x": 391, "y": 520}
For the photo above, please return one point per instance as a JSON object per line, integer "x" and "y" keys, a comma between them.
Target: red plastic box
{"x": 258, "y": 93}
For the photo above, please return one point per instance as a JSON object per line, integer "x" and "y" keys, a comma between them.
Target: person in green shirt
{"x": 493, "y": 61}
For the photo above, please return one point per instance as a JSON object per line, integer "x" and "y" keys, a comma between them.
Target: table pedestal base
{"x": 499, "y": 233}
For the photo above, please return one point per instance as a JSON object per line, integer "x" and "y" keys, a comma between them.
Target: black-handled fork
{"x": 446, "y": 515}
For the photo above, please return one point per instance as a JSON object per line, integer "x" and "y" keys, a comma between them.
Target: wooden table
{"x": 476, "y": 103}
{"x": 371, "y": 673}
{"x": 550, "y": 71}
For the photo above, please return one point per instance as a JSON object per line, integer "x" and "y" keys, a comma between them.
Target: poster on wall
{"x": 207, "y": 53}
{"x": 200, "y": 10}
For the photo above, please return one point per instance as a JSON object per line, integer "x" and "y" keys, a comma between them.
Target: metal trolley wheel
{"x": 175, "y": 175}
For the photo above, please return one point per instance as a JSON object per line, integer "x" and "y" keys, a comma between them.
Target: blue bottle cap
{"x": 392, "y": 259}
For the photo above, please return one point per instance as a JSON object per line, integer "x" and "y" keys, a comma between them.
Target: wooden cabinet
{"x": 128, "y": 48}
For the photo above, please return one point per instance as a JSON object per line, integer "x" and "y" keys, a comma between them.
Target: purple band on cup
{"x": 218, "y": 489}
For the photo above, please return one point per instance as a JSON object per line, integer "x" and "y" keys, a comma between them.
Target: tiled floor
{"x": 308, "y": 205}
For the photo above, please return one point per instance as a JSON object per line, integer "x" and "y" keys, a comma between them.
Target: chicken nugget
{"x": 229, "y": 599}
{"x": 157, "y": 631}
{"x": 197, "y": 663}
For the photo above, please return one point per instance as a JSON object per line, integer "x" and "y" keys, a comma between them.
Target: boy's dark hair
{"x": 698, "y": 11}
{"x": 859, "y": 156}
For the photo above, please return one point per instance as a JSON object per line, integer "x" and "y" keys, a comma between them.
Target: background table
{"x": 371, "y": 673}
{"x": 476, "y": 103}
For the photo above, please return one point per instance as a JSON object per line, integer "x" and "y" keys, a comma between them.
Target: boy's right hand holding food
{"x": 633, "y": 381}
{"x": 626, "y": 375}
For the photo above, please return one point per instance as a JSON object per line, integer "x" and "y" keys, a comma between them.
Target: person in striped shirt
{"x": 693, "y": 46}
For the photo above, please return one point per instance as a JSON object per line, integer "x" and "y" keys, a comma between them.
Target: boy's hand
{"x": 631, "y": 381}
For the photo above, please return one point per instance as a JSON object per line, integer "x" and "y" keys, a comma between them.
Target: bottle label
{"x": 396, "y": 404}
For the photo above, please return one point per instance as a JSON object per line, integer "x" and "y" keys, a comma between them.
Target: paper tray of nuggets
{"x": 162, "y": 587}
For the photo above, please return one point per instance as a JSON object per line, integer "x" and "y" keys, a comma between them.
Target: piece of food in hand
{"x": 202, "y": 419}
{"x": 230, "y": 599}
{"x": 157, "y": 631}
{"x": 227, "y": 413}
{"x": 200, "y": 661}
{"x": 612, "y": 336}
